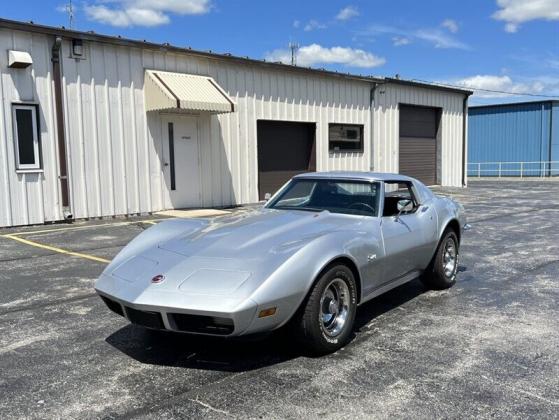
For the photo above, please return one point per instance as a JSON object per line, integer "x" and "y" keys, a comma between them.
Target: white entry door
{"x": 182, "y": 166}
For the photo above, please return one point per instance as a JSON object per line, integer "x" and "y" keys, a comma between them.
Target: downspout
{"x": 550, "y": 155}
{"x": 59, "y": 114}
{"x": 464, "y": 139}
{"x": 372, "y": 126}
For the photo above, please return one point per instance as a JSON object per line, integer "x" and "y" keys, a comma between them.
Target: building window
{"x": 345, "y": 138}
{"x": 26, "y": 136}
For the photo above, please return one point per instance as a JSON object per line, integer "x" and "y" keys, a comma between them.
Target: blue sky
{"x": 506, "y": 45}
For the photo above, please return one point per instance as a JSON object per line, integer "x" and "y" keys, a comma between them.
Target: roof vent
{"x": 19, "y": 59}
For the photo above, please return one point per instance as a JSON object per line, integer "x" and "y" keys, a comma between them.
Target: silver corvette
{"x": 322, "y": 245}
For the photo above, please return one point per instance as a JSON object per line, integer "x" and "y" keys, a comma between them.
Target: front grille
{"x": 145, "y": 318}
{"x": 202, "y": 324}
{"x": 113, "y": 305}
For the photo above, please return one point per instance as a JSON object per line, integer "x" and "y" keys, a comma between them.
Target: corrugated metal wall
{"x": 555, "y": 137}
{"x": 115, "y": 148}
{"x": 511, "y": 133}
{"x": 109, "y": 133}
{"x": 386, "y": 127}
{"x": 27, "y": 198}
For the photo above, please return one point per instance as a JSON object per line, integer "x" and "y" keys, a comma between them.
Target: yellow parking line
{"x": 56, "y": 249}
{"x": 63, "y": 229}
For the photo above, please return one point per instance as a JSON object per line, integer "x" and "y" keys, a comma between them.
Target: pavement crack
{"x": 209, "y": 407}
{"x": 172, "y": 399}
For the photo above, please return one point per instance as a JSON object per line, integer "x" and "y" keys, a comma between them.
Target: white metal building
{"x": 97, "y": 126}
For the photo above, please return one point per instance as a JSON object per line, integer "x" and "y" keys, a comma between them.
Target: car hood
{"x": 256, "y": 234}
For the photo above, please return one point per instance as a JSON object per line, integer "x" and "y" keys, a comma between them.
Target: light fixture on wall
{"x": 19, "y": 59}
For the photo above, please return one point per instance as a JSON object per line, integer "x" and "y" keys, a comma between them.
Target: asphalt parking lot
{"x": 488, "y": 347}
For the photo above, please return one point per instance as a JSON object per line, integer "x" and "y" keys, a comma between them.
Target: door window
{"x": 396, "y": 191}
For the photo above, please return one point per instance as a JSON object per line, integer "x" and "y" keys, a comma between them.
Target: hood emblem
{"x": 158, "y": 279}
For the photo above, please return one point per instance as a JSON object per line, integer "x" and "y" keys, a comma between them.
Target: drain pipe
{"x": 59, "y": 113}
{"x": 464, "y": 139}
{"x": 372, "y": 125}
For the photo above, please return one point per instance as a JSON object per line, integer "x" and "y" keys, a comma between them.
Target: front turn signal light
{"x": 267, "y": 312}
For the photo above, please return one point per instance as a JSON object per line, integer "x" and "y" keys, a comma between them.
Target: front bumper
{"x": 174, "y": 310}
{"x": 181, "y": 319}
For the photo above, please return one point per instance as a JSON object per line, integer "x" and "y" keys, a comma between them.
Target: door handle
{"x": 424, "y": 209}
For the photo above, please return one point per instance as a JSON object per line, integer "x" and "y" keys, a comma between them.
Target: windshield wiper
{"x": 298, "y": 208}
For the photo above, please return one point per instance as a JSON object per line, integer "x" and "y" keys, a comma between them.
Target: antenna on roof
{"x": 294, "y": 47}
{"x": 70, "y": 11}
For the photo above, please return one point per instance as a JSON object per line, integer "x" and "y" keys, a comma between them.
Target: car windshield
{"x": 337, "y": 196}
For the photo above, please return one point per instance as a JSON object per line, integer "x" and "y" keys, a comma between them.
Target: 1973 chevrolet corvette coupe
{"x": 322, "y": 245}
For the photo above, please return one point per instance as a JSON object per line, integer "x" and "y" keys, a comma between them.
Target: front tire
{"x": 326, "y": 319}
{"x": 441, "y": 273}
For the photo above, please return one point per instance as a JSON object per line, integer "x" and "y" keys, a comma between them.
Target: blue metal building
{"x": 519, "y": 139}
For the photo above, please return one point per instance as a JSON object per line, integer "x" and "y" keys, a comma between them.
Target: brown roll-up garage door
{"x": 285, "y": 149}
{"x": 418, "y": 142}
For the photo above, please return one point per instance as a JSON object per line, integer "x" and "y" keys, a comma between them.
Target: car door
{"x": 405, "y": 234}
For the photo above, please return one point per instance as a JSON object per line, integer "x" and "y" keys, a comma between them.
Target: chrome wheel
{"x": 450, "y": 258}
{"x": 334, "y": 307}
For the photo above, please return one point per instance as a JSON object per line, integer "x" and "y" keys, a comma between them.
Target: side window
{"x": 26, "y": 137}
{"x": 396, "y": 191}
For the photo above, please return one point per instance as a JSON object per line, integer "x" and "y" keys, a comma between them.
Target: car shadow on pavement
{"x": 202, "y": 352}
{"x": 242, "y": 354}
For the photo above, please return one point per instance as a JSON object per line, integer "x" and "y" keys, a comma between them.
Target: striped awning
{"x": 180, "y": 91}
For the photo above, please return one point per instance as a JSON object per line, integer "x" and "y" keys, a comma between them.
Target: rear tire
{"x": 441, "y": 273}
{"x": 325, "y": 321}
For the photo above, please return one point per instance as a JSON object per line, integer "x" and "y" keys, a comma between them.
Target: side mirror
{"x": 267, "y": 196}
{"x": 404, "y": 206}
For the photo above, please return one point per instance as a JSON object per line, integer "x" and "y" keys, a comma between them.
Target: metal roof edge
{"x": 166, "y": 47}
{"x": 428, "y": 85}
{"x": 544, "y": 101}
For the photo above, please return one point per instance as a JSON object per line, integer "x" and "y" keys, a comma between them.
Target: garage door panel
{"x": 418, "y": 142}
{"x": 285, "y": 149}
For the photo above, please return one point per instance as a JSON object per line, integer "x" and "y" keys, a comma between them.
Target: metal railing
{"x": 539, "y": 169}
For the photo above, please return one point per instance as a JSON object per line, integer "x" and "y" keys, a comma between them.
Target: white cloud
{"x": 399, "y": 41}
{"x": 313, "y": 25}
{"x": 296, "y": 24}
{"x": 433, "y": 36}
{"x": 451, "y": 25}
{"x": 347, "y": 13}
{"x": 515, "y": 12}
{"x": 126, "y": 17}
{"x": 504, "y": 83}
{"x": 440, "y": 39}
{"x": 143, "y": 12}
{"x": 181, "y": 7}
{"x": 311, "y": 55}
